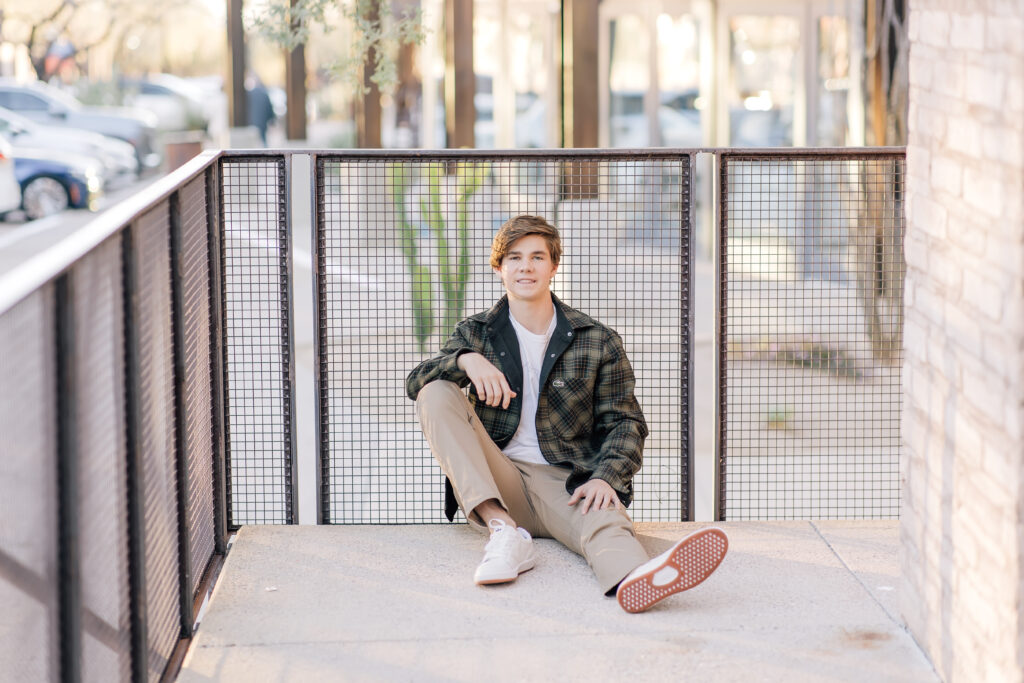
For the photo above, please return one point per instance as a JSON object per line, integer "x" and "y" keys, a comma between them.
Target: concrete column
{"x": 962, "y": 520}
{"x": 459, "y": 78}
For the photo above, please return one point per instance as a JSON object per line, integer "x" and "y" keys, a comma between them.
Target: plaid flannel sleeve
{"x": 443, "y": 366}
{"x": 618, "y": 421}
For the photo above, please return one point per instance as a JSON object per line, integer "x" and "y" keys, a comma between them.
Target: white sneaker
{"x": 508, "y": 554}
{"x": 679, "y": 568}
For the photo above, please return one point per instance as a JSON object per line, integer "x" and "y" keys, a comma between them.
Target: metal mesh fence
{"x": 91, "y": 579}
{"x": 257, "y": 324}
{"x": 198, "y": 415}
{"x": 101, "y": 451}
{"x": 157, "y": 429}
{"x": 811, "y": 318}
{"x": 29, "y": 650}
{"x": 403, "y": 254}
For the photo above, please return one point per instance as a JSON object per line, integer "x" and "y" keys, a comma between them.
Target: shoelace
{"x": 502, "y": 536}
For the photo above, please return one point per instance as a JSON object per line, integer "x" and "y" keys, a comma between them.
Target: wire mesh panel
{"x": 28, "y": 498}
{"x": 257, "y": 324}
{"x": 811, "y": 322}
{"x": 151, "y": 237}
{"x": 403, "y": 255}
{"x": 101, "y": 452}
{"x": 198, "y": 415}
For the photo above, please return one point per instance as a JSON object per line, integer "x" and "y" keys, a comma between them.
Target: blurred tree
{"x": 61, "y": 30}
{"x": 380, "y": 27}
{"x": 887, "y": 85}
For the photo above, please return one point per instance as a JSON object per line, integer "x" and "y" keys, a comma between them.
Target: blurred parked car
{"x": 53, "y": 181}
{"x": 116, "y": 156}
{"x": 45, "y": 104}
{"x": 176, "y": 103}
{"x": 10, "y": 191}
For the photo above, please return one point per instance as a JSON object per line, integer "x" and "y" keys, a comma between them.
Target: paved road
{"x": 21, "y": 239}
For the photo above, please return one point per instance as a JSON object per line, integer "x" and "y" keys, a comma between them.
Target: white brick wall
{"x": 962, "y": 522}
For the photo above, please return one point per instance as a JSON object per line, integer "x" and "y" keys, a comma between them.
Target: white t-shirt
{"x": 524, "y": 446}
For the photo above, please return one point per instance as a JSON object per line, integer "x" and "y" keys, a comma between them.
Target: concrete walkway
{"x": 793, "y": 601}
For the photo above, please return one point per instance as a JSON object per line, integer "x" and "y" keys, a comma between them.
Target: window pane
{"x": 529, "y": 73}
{"x": 763, "y": 73}
{"x": 18, "y": 101}
{"x": 833, "y": 83}
{"x": 628, "y": 81}
{"x": 679, "y": 114}
{"x": 486, "y": 53}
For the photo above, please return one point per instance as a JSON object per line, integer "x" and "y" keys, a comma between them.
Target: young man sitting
{"x": 550, "y": 437}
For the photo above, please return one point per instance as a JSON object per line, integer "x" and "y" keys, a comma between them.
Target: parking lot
{"x": 21, "y": 239}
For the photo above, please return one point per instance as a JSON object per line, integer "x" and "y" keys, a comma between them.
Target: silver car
{"x": 46, "y": 104}
{"x": 116, "y": 156}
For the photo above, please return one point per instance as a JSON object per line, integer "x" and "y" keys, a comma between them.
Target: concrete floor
{"x": 793, "y": 601}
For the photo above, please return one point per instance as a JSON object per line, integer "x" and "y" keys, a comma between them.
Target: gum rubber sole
{"x": 694, "y": 559}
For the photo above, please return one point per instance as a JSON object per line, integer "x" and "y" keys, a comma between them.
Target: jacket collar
{"x": 497, "y": 316}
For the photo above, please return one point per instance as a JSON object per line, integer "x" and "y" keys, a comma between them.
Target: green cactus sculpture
{"x": 453, "y": 260}
{"x": 421, "y": 294}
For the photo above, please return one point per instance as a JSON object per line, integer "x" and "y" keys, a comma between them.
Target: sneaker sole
{"x": 507, "y": 579}
{"x": 694, "y": 558}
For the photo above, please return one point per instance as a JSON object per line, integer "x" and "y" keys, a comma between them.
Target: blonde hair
{"x": 520, "y": 226}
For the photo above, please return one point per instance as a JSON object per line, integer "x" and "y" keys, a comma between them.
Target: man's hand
{"x": 491, "y": 385}
{"x": 596, "y": 492}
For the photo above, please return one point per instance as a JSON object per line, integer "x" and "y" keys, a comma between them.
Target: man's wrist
{"x": 460, "y": 356}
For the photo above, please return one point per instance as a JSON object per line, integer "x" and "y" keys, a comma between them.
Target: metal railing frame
{"x": 53, "y": 267}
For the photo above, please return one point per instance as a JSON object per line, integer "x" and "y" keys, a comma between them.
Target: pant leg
{"x": 477, "y": 468}
{"x": 605, "y": 538}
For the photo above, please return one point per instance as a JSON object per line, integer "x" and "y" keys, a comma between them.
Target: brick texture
{"x": 962, "y": 522}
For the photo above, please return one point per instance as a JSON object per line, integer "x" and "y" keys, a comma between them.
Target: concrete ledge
{"x": 791, "y": 601}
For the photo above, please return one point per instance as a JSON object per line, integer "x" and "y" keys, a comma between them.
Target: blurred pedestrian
{"x": 261, "y": 109}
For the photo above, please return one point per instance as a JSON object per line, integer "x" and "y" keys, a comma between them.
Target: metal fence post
{"x": 218, "y": 358}
{"x": 687, "y": 298}
{"x": 133, "y": 411}
{"x": 304, "y": 325}
{"x": 317, "y": 284}
{"x": 180, "y": 456}
{"x": 68, "y": 554}
{"x": 719, "y": 193}
{"x": 292, "y": 514}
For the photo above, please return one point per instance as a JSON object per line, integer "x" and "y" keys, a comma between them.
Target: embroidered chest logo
{"x": 558, "y": 383}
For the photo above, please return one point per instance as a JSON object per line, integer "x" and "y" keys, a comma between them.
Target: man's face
{"x": 527, "y": 269}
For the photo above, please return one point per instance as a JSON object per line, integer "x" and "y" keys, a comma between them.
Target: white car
{"x": 10, "y": 191}
{"x": 176, "y": 103}
{"x": 116, "y": 156}
{"x": 51, "y": 106}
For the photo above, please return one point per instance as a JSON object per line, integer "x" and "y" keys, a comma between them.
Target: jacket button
{"x": 568, "y": 334}
{"x": 552, "y": 355}
{"x": 502, "y": 353}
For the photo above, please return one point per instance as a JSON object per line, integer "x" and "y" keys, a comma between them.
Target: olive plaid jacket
{"x": 587, "y": 416}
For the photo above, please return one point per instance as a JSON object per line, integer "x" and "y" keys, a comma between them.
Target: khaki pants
{"x": 534, "y": 495}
